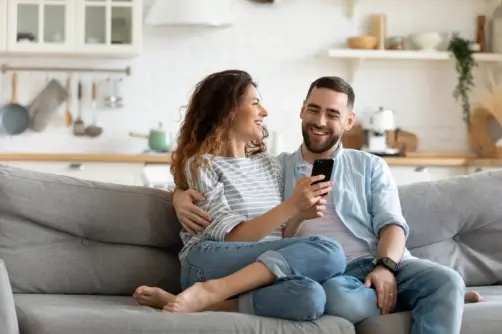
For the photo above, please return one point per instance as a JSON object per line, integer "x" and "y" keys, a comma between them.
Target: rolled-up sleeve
{"x": 223, "y": 219}
{"x": 385, "y": 203}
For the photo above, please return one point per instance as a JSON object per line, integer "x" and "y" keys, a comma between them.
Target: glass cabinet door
{"x": 40, "y": 25}
{"x": 3, "y": 25}
{"x": 110, "y": 25}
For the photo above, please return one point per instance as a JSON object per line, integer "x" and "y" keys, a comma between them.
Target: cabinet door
{"x": 41, "y": 26}
{"x": 3, "y": 25}
{"x": 404, "y": 175}
{"x": 477, "y": 169}
{"x": 109, "y": 26}
{"x": 412, "y": 174}
{"x": 119, "y": 173}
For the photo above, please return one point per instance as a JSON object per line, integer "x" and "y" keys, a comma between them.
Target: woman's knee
{"x": 348, "y": 298}
{"x": 333, "y": 254}
{"x": 312, "y": 297}
{"x": 296, "y": 298}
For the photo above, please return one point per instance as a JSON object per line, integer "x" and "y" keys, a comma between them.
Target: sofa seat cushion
{"x": 79, "y": 314}
{"x": 481, "y": 317}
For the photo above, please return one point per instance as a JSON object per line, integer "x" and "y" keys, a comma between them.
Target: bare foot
{"x": 472, "y": 297}
{"x": 153, "y": 297}
{"x": 198, "y": 297}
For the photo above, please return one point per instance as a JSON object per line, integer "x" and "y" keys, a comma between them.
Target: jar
{"x": 395, "y": 43}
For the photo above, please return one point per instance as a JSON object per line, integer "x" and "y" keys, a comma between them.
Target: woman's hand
{"x": 307, "y": 194}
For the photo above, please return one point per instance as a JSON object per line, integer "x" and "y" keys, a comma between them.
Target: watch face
{"x": 389, "y": 263}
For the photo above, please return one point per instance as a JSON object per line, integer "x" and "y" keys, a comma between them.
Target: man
{"x": 363, "y": 213}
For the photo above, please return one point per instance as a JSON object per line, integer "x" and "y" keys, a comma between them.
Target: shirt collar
{"x": 301, "y": 164}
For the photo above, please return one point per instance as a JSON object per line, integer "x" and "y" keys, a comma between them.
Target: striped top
{"x": 236, "y": 190}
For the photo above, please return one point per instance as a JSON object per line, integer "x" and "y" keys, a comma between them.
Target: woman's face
{"x": 248, "y": 121}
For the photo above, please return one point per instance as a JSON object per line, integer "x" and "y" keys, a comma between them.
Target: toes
{"x": 170, "y": 307}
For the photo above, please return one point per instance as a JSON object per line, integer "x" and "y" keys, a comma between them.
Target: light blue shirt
{"x": 364, "y": 194}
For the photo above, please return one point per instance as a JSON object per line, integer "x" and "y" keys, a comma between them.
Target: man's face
{"x": 325, "y": 116}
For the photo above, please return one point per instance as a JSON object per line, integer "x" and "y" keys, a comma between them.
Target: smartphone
{"x": 324, "y": 167}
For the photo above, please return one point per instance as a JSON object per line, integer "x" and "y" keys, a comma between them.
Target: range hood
{"x": 214, "y": 13}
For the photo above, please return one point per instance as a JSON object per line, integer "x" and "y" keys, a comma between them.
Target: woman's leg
{"x": 226, "y": 269}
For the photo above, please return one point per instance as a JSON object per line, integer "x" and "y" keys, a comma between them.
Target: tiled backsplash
{"x": 280, "y": 46}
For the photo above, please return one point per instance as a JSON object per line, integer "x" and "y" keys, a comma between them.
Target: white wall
{"x": 278, "y": 45}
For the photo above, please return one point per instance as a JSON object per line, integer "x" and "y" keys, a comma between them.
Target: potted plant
{"x": 463, "y": 51}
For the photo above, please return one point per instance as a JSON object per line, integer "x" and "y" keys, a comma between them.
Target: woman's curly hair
{"x": 209, "y": 117}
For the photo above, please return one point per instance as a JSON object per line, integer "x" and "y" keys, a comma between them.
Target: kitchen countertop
{"x": 412, "y": 159}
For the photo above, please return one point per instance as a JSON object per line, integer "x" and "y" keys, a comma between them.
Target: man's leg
{"x": 347, "y": 297}
{"x": 435, "y": 295}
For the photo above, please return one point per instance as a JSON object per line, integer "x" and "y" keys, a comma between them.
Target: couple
{"x": 262, "y": 238}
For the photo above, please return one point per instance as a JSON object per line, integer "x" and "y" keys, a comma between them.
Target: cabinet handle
{"x": 76, "y": 166}
{"x": 421, "y": 169}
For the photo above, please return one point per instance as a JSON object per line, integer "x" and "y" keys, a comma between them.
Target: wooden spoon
{"x": 68, "y": 119}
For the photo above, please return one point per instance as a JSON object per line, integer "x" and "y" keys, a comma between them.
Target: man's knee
{"x": 348, "y": 298}
{"x": 449, "y": 282}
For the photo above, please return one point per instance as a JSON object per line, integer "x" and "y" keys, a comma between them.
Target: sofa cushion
{"x": 458, "y": 222}
{"x": 65, "y": 235}
{"x": 57, "y": 314}
{"x": 478, "y": 318}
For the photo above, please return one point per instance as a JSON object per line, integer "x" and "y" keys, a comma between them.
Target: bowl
{"x": 362, "y": 42}
{"x": 427, "y": 41}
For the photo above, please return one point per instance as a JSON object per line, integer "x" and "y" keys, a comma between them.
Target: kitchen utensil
{"x": 79, "y": 125}
{"x": 362, "y": 42}
{"x": 68, "y": 118}
{"x": 14, "y": 117}
{"x": 46, "y": 104}
{"x": 158, "y": 139}
{"x": 113, "y": 99}
{"x": 94, "y": 129}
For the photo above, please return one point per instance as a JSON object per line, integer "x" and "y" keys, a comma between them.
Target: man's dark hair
{"x": 337, "y": 84}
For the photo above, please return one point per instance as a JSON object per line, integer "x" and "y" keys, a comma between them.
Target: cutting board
{"x": 484, "y": 134}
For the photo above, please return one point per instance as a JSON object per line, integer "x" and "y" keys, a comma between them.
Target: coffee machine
{"x": 376, "y": 123}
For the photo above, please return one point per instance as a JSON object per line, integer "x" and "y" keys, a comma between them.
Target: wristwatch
{"x": 387, "y": 263}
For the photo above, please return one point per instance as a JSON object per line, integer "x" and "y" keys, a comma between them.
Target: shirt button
{"x": 456, "y": 237}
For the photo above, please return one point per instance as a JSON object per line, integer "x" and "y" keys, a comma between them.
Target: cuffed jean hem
{"x": 245, "y": 303}
{"x": 276, "y": 263}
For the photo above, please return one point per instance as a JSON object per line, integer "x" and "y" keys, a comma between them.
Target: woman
{"x": 220, "y": 152}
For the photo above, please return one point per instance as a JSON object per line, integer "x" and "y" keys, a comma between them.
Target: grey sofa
{"x": 73, "y": 252}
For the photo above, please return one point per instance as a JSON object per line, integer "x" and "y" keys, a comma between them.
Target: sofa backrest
{"x": 458, "y": 222}
{"x": 64, "y": 235}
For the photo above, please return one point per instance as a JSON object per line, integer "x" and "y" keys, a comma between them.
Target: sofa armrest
{"x": 8, "y": 318}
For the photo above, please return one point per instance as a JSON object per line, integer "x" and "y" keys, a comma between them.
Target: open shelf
{"x": 405, "y": 55}
{"x": 356, "y": 57}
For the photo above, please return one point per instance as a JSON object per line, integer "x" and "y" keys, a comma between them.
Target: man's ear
{"x": 301, "y": 109}
{"x": 351, "y": 119}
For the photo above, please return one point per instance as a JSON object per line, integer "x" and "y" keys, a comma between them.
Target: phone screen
{"x": 324, "y": 167}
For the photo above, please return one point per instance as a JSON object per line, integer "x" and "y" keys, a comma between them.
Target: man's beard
{"x": 319, "y": 148}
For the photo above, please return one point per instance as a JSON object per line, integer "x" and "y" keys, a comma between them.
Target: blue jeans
{"x": 434, "y": 293}
{"x": 300, "y": 265}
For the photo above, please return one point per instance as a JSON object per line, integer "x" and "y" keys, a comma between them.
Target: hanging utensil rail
{"x": 126, "y": 71}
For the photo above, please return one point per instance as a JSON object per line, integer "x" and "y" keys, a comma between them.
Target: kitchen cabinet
{"x": 404, "y": 175}
{"x": 40, "y": 26}
{"x": 3, "y": 25}
{"x": 477, "y": 169}
{"x": 111, "y": 26}
{"x": 80, "y": 27}
{"x": 118, "y": 173}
